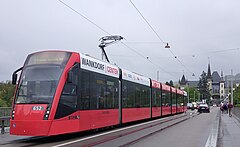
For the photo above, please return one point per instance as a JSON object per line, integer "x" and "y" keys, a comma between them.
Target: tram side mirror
{"x": 14, "y": 78}
{"x": 70, "y": 76}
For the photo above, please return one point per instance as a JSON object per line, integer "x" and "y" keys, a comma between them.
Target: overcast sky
{"x": 198, "y": 32}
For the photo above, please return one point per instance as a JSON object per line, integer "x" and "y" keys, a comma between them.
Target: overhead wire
{"x": 147, "y": 22}
{"x": 68, "y": 6}
{"x": 141, "y": 42}
{"x": 84, "y": 17}
{"x": 212, "y": 52}
{"x": 192, "y": 55}
{"x": 155, "y": 32}
{"x": 148, "y": 59}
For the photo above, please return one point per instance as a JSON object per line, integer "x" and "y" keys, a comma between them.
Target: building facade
{"x": 216, "y": 84}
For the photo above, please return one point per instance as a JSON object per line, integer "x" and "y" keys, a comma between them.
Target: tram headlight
{"x": 13, "y": 112}
{"x": 47, "y": 112}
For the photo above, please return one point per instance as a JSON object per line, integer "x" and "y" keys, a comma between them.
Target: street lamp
{"x": 167, "y": 46}
{"x": 194, "y": 96}
{"x": 188, "y": 92}
{"x": 232, "y": 87}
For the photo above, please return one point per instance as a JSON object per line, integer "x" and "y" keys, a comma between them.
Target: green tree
{"x": 167, "y": 83}
{"x": 236, "y": 96}
{"x": 170, "y": 83}
{"x": 6, "y": 94}
{"x": 2, "y": 103}
{"x": 193, "y": 94}
{"x": 203, "y": 87}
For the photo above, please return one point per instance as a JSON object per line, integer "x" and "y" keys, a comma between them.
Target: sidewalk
{"x": 229, "y": 131}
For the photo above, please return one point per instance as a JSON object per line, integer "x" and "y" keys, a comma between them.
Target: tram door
{"x": 105, "y": 98}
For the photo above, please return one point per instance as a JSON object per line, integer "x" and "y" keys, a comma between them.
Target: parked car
{"x": 203, "y": 108}
{"x": 190, "y": 106}
{"x": 194, "y": 105}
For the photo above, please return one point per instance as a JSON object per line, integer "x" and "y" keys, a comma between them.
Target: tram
{"x": 60, "y": 92}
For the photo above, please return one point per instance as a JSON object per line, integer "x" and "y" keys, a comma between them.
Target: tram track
{"x": 148, "y": 135}
{"x": 129, "y": 135}
{"x": 123, "y": 136}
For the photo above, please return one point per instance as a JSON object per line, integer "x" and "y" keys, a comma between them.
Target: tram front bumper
{"x": 30, "y": 128}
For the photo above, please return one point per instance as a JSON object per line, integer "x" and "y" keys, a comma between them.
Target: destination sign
{"x": 98, "y": 66}
{"x": 49, "y": 57}
{"x": 130, "y": 76}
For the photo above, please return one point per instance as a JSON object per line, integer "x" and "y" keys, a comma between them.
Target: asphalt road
{"x": 193, "y": 132}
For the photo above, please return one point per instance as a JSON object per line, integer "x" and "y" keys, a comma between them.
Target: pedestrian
{"x": 230, "y": 106}
{"x": 221, "y": 108}
{"x": 225, "y": 108}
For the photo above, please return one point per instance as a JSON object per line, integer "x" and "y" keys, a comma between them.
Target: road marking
{"x": 213, "y": 136}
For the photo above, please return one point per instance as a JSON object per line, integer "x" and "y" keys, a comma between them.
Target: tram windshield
{"x": 39, "y": 80}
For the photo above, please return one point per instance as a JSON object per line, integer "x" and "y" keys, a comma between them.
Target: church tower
{"x": 209, "y": 79}
{"x": 222, "y": 87}
{"x": 183, "y": 82}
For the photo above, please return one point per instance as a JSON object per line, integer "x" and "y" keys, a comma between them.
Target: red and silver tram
{"x": 62, "y": 92}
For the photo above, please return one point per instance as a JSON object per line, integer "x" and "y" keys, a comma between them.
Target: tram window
{"x": 138, "y": 98}
{"x": 129, "y": 94}
{"x": 93, "y": 100}
{"x": 99, "y": 87}
{"x": 69, "y": 97}
{"x": 111, "y": 92}
{"x": 101, "y": 100}
{"x": 85, "y": 90}
{"x": 166, "y": 100}
{"x": 145, "y": 96}
{"x": 124, "y": 95}
{"x": 185, "y": 100}
{"x": 156, "y": 97}
{"x": 68, "y": 101}
{"x": 70, "y": 89}
{"x": 142, "y": 96}
{"x": 104, "y": 92}
{"x": 174, "y": 100}
{"x": 179, "y": 100}
{"x": 135, "y": 95}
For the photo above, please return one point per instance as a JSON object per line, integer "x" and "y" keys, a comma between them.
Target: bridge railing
{"x": 5, "y": 113}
